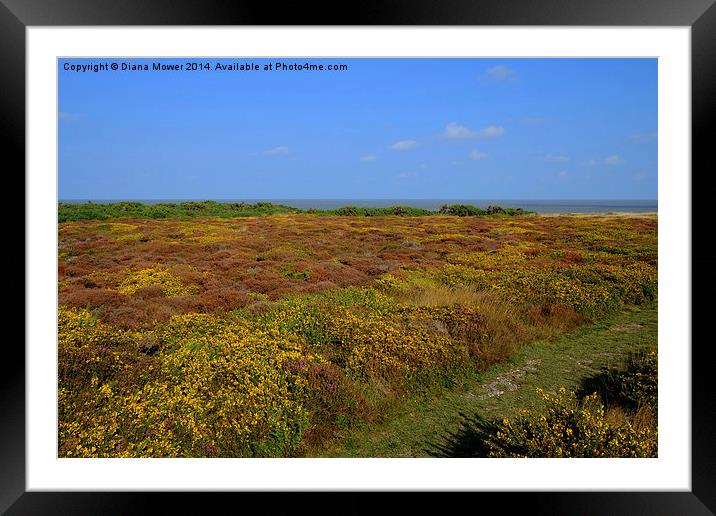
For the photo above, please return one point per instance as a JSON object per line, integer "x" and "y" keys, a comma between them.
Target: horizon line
{"x": 349, "y": 199}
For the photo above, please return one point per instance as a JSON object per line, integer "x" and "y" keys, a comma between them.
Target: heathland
{"x": 203, "y": 329}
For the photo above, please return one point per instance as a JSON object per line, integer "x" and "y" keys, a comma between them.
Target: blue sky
{"x": 385, "y": 128}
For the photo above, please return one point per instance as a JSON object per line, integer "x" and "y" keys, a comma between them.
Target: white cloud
{"x": 454, "y": 131}
{"x": 563, "y": 173}
{"x": 551, "y": 158}
{"x": 591, "y": 162}
{"x": 405, "y": 175}
{"x": 369, "y": 157}
{"x": 477, "y": 155}
{"x": 276, "y": 151}
{"x": 533, "y": 120}
{"x": 404, "y": 145}
{"x": 613, "y": 160}
{"x": 500, "y": 73}
{"x": 491, "y": 131}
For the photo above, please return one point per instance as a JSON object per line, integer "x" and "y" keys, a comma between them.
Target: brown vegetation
{"x": 241, "y": 263}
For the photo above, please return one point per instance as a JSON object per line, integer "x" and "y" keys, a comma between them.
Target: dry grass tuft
{"x": 502, "y": 327}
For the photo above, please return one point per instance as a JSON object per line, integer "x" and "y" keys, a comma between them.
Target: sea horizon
{"x": 536, "y": 205}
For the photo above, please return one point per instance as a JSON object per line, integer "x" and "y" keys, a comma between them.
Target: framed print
{"x": 414, "y": 250}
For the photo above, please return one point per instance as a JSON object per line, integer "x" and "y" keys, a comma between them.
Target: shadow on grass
{"x": 608, "y": 385}
{"x": 468, "y": 441}
{"x": 628, "y": 387}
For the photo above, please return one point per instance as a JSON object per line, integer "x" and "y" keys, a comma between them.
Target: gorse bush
{"x": 569, "y": 427}
{"x": 90, "y": 349}
{"x": 232, "y": 394}
{"x": 216, "y": 388}
{"x": 169, "y": 284}
{"x": 591, "y": 290}
{"x": 369, "y": 338}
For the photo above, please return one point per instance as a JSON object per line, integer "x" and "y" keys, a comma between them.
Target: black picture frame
{"x": 700, "y": 15}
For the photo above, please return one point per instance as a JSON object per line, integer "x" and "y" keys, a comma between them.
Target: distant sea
{"x": 539, "y": 206}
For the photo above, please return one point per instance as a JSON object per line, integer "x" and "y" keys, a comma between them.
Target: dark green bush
{"x": 186, "y": 209}
{"x": 461, "y": 210}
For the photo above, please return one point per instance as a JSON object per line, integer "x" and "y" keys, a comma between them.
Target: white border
{"x": 671, "y": 471}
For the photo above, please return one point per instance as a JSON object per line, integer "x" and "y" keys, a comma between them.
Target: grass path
{"x": 419, "y": 425}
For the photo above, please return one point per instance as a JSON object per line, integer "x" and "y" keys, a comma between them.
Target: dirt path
{"x": 422, "y": 427}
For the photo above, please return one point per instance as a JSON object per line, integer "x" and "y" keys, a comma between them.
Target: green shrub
{"x": 499, "y": 210}
{"x": 288, "y": 271}
{"x": 101, "y": 211}
{"x": 461, "y": 210}
{"x": 355, "y": 211}
{"x": 468, "y": 210}
{"x": 639, "y": 383}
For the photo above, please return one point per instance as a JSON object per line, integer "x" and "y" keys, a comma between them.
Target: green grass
{"x": 287, "y": 271}
{"x": 416, "y": 426}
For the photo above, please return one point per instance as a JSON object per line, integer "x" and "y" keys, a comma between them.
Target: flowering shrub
{"x": 218, "y": 388}
{"x": 230, "y": 397}
{"x": 169, "y": 284}
{"x": 590, "y": 289}
{"x": 88, "y": 348}
{"x": 461, "y": 275}
{"x": 376, "y": 346}
{"x": 369, "y": 340}
{"x": 570, "y": 428}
